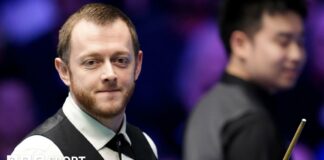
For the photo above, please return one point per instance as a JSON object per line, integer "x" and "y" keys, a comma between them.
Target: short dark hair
{"x": 246, "y": 15}
{"x": 98, "y": 13}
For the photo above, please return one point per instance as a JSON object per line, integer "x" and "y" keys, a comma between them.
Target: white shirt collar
{"x": 96, "y": 133}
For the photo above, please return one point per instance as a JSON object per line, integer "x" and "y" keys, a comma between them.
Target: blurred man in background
{"x": 264, "y": 42}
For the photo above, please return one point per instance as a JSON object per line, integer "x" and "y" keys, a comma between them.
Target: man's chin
{"x": 286, "y": 86}
{"x": 108, "y": 111}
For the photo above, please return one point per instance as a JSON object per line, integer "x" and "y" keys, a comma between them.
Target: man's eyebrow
{"x": 290, "y": 35}
{"x": 121, "y": 53}
{"x": 98, "y": 55}
{"x": 90, "y": 55}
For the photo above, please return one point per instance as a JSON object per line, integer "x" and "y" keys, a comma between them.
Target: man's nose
{"x": 297, "y": 53}
{"x": 108, "y": 73}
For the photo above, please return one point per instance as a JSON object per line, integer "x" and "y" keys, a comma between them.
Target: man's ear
{"x": 240, "y": 44}
{"x": 63, "y": 71}
{"x": 138, "y": 67}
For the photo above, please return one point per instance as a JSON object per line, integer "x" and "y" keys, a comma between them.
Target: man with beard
{"x": 235, "y": 121}
{"x": 99, "y": 60}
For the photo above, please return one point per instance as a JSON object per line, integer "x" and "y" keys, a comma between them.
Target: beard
{"x": 89, "y": 103}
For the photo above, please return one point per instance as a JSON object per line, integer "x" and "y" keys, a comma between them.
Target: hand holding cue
{"x": 295, "y": 139}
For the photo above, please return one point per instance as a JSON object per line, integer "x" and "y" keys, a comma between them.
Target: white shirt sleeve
{"x": 152, "y": 144}
{"x": 36, "y": 147}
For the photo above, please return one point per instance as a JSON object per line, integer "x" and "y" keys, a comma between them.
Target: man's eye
{"x": 121, "y": 61}
{"x": 90, "y": 63}
{"x": 284, "y": 43}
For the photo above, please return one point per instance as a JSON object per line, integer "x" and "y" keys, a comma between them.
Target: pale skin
{"x": 274, "y": 56}
{"x": 103, "y": 66}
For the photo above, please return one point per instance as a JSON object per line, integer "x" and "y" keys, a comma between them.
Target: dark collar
{"x": 252, "y": 90}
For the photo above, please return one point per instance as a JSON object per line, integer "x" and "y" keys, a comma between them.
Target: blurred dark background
{"x": 183, "y": 58}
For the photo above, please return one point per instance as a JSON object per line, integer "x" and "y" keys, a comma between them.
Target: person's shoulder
{"x": 225, "y": 100}
{"x": 221, "y": 94}
{"x": 37, "y": 146}
{"x": 222, "y": 100}
{"x": 223, "y": 104}
{"x": 50, "y": 124}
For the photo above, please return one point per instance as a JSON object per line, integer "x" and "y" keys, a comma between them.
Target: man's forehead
{"x": 88, "y": 35}
{"x": 286, "y": 22}
{"x": 85, "y": 29}
{"x": 86, "y": 23}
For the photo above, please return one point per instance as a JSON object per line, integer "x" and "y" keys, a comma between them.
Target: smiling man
{"x": 99, "y": 60}
{"x": 234, "y": 121}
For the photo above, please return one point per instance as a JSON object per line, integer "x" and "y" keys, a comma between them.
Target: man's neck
{"x": 237, "y": 69}
{"x": 114, "y": 123}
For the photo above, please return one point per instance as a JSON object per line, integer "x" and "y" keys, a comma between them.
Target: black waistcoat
{"x": 72, "y": 143}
